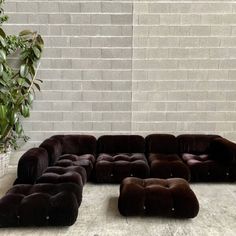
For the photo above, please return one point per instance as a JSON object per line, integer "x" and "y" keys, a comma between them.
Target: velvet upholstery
{"x": 167, "y": 166}
{"x": 208, "y": 157}
{"x": 161, "y": 143}
{"x": 195, "y": 143}
{"x": 169, "y": 198}
{"x": 31, "y": 165}
{"x": 114, "y": 168}
{"x": 223, "y": 150}
{"x": 121, "y": 144}
{"x": 79, "y": 144}
{"x": 87, "y": 161}
{"x": 79, "y": 150}
{"x": 205, "y": 169}
{"x": 56, "y": 174}
{"x": 120, "y": 156}
{"x": 161, "y": 150}
{"x": 40, "y": 205}
{"x": 53, "y": 146}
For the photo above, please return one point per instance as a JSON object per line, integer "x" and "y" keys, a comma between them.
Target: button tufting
{"x": 47, "y": 217}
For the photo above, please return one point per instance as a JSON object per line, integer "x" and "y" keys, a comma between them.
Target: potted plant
{"x": 17, "y": 85}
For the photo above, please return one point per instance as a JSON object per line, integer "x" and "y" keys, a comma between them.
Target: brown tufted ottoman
{"x": 170, "y": 197}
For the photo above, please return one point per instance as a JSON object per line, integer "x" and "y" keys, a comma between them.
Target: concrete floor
{"x": 98, "y": 215}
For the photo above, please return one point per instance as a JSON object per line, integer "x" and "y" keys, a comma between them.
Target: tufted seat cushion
{"x": 204, "y": 168}
{"x": 86, "y": 161}
{"x": 115, "y": 167}
{"x": 57, "y": 174}
{"x": 170, "y": 197}
{"x": 40, "y": 205}
{"x": 168, "y": 166}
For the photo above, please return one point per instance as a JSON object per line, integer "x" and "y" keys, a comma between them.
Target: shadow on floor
{"x": 112, "y": 207}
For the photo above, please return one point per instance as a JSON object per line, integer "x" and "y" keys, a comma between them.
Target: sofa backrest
{"x": 195, "y": 143}
{"x": 31, "y": 165}
{"x": 121, "y": 144}
{"x": 79, "y": 144}
{"x": 53, "y": 146}
{"x": 161, "y": 143}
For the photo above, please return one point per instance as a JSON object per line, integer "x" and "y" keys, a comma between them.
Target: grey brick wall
{"x": 184, "y": 64}
{"x": 126, "y": 66}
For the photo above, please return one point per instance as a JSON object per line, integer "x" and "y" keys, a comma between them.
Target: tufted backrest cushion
{"x": 79, "y": 144}
{"x": 195, "y": 143}
{"x": 223, "y": 150}
{"x": 161, "y": 143}
{"x": 53, "y": 146}
{"x": 121, "y": 144}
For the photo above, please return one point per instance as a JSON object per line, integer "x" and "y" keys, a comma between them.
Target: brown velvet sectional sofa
{"x": 50, "y": 178}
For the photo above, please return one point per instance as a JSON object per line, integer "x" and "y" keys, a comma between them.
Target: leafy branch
{"x": 17, "y": 85}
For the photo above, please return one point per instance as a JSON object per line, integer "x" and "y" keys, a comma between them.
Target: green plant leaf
{"x": 40, "y": 40}
{"x": 37, "y": 86}
{"x": 25, "y": 111}
{"x": 30, "y": 98}
{"x": 2, "y": 41}
{"x": 18, "y": 128}
{"x": 32, "y": 71}
{"x": 2, "y": 56}
{"x": 21, "y": 81}
{"x": 1, "y": 69}
{"x": 37, "y": 52}
{"x": 24, "y": 71}
{"x": 24, "y": 33}
{"x": 3, "y": 112}
{"x": 2, "y": 33}
{"x": 13, "y": 118}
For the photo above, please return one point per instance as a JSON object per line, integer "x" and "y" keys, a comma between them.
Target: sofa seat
{"x": 203, "y": 168}
{"x": 86, "y": 161}
{"x": 167, "y": 166}
{"x": 170, "y": 197}
{"x": 57, "y": 174}
{"x": 40, "y": 205}
{"x": 113, "y": 168}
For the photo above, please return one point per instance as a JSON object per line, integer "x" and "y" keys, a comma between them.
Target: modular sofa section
{"x": 40, "y": 205}
{"x": 161, "y": 151}
{"x": 120, "y": 156}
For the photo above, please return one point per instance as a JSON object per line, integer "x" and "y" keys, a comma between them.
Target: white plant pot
{"x": 4, "y": 162}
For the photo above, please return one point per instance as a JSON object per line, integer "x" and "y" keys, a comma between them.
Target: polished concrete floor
{"x": 98, "y": 215}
